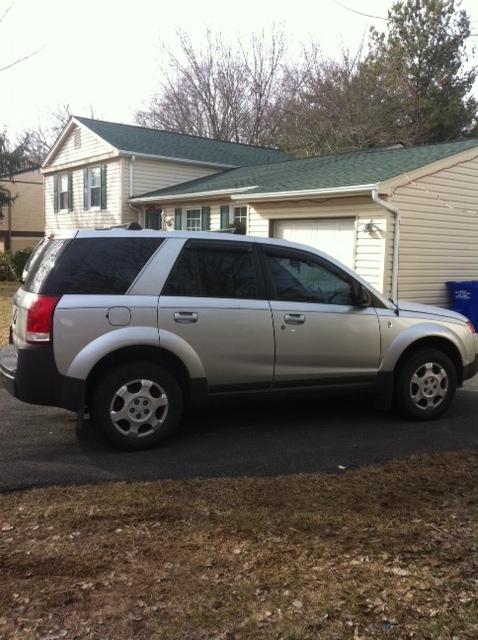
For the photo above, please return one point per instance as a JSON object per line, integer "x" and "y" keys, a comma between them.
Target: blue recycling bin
{"x": 465, "y": 298}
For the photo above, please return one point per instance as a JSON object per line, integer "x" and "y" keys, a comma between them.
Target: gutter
{"x": 188, "y": 196}
{"x": 396, "y": 243}
{"x": 298, "y": 195}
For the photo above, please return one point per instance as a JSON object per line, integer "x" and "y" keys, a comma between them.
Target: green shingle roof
{"x": 181, "y": 146}
{"x": 331, "y": 171}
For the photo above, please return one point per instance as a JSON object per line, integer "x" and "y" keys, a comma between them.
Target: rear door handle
{"x": 294, "y": 318}
{"x": 185, "y": 317}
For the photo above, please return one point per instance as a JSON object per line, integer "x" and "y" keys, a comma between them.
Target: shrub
{"x": 7, "y": 266}
{"x": 20, "y": 259}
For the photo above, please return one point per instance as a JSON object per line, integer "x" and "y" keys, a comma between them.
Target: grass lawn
{"x": 7, "y": 289}
{"x": 380, "y": 552}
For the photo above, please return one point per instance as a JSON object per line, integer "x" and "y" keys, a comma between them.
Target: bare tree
{"x": 222, "y": 91}
{"x": 36, "y": 142}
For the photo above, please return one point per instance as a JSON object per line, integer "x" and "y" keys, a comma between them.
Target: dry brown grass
{"x": 7, "y": 289}
{"x": 381, "y": 552}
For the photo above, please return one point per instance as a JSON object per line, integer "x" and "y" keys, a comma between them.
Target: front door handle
{"x": 185, "y": 317}
{"x": 294, "y": 318}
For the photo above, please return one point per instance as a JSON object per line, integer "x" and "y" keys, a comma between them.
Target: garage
{"x": 335, "y": 236}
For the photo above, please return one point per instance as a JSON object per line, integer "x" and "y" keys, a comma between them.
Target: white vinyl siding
{"x": 78, "y": 217}
{"x": 150, "y": 175}
{"x": 438, "y": 232}
{"x": 90, "y": 146}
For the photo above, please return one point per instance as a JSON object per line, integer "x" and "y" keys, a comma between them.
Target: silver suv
{"x": 131, "y": 325}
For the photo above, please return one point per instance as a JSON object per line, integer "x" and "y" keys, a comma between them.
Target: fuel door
{"x": 118, "y": 316}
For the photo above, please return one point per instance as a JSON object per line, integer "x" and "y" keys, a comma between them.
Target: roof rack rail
{"x": 128, "y": 226}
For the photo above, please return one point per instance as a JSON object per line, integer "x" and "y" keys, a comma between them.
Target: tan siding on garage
{"x": 369, "y": 247}
{"x": 439, "y": 232}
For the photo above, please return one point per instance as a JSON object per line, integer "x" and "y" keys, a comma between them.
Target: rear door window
{"x": 214, "y": 270}
{"x": 106, "y": 266}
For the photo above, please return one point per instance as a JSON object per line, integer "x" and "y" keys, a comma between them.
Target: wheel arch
{"x": 192, "y": 388}
{"x": 440, "y": 343}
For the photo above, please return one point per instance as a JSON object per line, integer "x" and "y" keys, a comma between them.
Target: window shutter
{"x": 85, "y": 189}
{"x": 70, "y": 191}
{"x": 103, "y": 186}
{"x": 56, "y": 192}
{"x": 224, "y": 216}
{"x": 178, "y": 215}
{"x": 205, "y": 218}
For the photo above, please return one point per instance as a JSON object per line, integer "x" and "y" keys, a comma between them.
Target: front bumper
{"x": 470, "y": 369}
{"x": 30, "y": 374}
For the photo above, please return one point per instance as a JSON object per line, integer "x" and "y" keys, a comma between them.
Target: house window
{"x": 94, "y": 187}
{"x": 240, "y": 214}
{"x": 193, "y": 220}
{"x": 63, "y": 192}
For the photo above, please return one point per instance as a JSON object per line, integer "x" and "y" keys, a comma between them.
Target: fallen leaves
{"x": 385, "y": 552}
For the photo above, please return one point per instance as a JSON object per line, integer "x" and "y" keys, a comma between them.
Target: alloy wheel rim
{"x": 429, "y": 386}
{"x": 139, "y": 408}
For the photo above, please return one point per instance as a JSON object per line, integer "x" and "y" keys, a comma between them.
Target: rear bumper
{"x": 30, "y": 374}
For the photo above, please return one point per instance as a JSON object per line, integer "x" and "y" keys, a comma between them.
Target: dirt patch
{"x": 381, "y": 552}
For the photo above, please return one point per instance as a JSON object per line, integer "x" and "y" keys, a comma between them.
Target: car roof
{"x": 120, "y": 232}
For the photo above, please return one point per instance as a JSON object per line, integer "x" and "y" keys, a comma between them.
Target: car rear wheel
{"x": 137, "y": 405}
{"x": 425, "y": 385}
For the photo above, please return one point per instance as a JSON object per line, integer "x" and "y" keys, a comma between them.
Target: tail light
{"x": 40, "y": 318}
{"x": 470, "y": 326}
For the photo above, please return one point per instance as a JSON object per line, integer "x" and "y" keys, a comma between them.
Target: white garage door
{"x": 334, "y": 236}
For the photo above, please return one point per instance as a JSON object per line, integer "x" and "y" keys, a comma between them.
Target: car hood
{"x": 429, "y": 310}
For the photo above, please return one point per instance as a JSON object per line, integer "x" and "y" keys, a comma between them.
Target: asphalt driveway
{"x": 40, "y": 446}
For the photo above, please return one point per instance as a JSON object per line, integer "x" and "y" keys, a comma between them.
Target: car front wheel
{"x": 137, "y": 405}
{"x": 425, "y": 384}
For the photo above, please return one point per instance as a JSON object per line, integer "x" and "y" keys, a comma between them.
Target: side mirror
{"x": 363, "y": 297}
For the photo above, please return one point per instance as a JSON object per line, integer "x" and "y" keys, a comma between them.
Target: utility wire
{"x": 367, "y": 15}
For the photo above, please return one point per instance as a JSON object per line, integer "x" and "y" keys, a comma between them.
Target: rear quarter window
{"x": 106, "y": 266}
{"x": 41, "y": 264}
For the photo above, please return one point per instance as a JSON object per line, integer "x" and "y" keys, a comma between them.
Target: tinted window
{"x": 41, "y": 264}
{"x": 101, "y": 265}
{"x": 300, "y": 279}
{"x": 213, "y": 273}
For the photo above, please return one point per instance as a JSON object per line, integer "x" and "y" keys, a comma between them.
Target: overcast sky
{"x": 103, "y": 54}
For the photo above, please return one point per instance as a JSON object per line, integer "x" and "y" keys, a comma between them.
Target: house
{"x": 405, "y": 219}
{"x": 95, "y": 167}
{"x": 23, "y": 222}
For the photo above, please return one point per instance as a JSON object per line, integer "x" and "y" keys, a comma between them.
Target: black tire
{"x": 407, "y": 395}
{"x": 150, "y": 429}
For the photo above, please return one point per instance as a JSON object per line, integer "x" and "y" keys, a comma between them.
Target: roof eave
{"x": 154, "y": 156}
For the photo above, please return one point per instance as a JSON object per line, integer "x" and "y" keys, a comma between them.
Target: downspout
{"x": 139, "y": 211}
{"x": 396, "y": 243}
